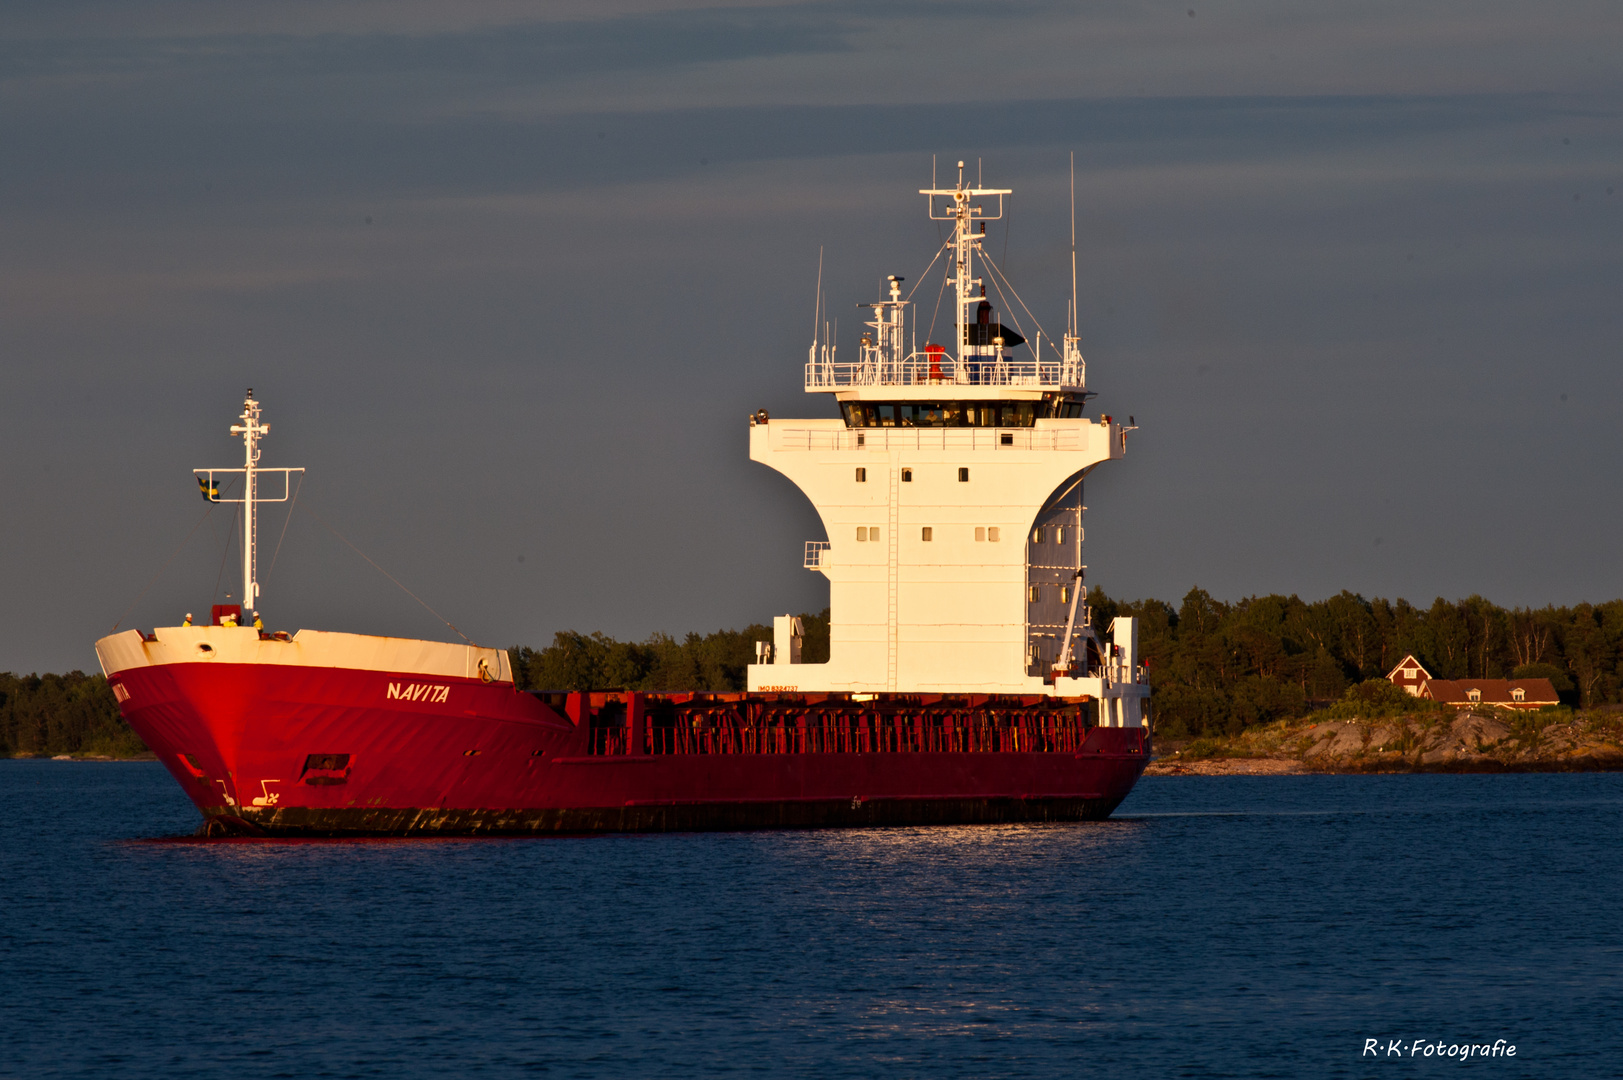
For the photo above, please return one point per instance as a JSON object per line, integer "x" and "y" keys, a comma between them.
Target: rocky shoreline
{"x": 1495, "y": 741}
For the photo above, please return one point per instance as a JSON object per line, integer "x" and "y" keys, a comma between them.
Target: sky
{"x": 509, "y": 278}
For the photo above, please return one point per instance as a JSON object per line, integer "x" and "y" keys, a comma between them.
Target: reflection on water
{"x": 1216, "y": 926}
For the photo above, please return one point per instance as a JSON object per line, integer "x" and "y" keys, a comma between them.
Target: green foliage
{"x": 1557, "y": 677}
{"x": 1201, "y": 749}
{"x": 710, "y": 662}
{"x": 1218, "y": 667}
{"x": 1374, "y": 698}
{"x": 62, "y": 714}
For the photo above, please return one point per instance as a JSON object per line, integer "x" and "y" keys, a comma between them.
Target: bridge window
{"x": 861, "y": 414}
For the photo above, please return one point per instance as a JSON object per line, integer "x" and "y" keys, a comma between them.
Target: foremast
{"x": 251, "y": 429}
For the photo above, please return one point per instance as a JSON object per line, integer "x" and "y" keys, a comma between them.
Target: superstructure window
{"x": 1031, "y": 594}
{"x": 928, "y": 534}
{"x": 862, "y": 533}
{"x": 1059, "y": 534}
{"x": 1061, "y": 406}
{"x": 862, "y": 476}
{"x": 980, "y": 533}
{"x": 907, "y": 476}
{"x": 860, "y": 414}
{"x": 1037, "y": 535}
{"x": 963, "y": 476}
{"x": 991, "y": 534}
{"x": 873, "y": 533}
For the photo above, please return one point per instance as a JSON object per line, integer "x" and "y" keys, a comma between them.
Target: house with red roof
{"x": 1499, "y": 693}
{"x": 1464, "y": 693}
{"x": 1409, "y": 675}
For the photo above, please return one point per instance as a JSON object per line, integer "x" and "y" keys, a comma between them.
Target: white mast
{"x": 966, "y": 242}
{"x": 250, "y": 429}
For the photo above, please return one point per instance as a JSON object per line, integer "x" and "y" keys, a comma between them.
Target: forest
{"x": 62, "y": 714}
{"x": 1216, "y": 667}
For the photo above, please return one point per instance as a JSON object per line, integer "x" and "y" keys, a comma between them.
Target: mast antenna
{"x": 817, "y": 313}
{"x": 1074, "y": 318}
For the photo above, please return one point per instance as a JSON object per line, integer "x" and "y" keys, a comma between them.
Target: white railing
{"x": 817, "y": 554}
{"x": 924, "y": 369}
{"x": 929, "y": 438}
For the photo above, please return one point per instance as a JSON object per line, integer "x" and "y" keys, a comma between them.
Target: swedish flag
{"x": 210, "y": 487}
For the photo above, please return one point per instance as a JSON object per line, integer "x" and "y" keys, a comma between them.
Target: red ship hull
{"x": 267, "y": 749}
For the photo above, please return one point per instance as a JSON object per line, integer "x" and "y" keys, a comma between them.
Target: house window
{"x": 1474, "y": 695}
{"x": 1037, "y": 535}
{"x": 980, "y": 532}
{"x": 1518, "y": 694}
{"x": 963, "y": 476}
{"x": 862, "y": 476}
{"x": 862, "y": 533}
{"x": 929, "y": 534}
{"x": 991, "y": 534}
{"x": 907, "y": 476}
{"x": 1409, "y": 673}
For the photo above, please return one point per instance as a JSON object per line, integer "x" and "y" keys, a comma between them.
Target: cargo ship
{"x": 965, "y": 681}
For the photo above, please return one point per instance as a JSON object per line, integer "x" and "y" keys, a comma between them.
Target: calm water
{"x": 1217, "y": 927}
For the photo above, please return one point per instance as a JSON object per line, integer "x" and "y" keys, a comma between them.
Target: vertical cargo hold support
{"x": 636, "y": 724}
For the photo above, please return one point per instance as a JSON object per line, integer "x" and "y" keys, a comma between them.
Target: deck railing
{"x": 930, "y": 438}
{"x": 924, "y": 369}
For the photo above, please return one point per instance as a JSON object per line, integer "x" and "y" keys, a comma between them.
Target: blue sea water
{"x": 1218, "y": 926}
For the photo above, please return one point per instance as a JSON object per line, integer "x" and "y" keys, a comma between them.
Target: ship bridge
{"x": 950, "y": 487}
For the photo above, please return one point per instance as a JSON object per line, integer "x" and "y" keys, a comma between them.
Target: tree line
{"x": 1216, "y": 667}
{"x": 62, "y": 714}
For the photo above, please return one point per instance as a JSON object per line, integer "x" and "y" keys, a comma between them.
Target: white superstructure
{"x": 951, "y": 492}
